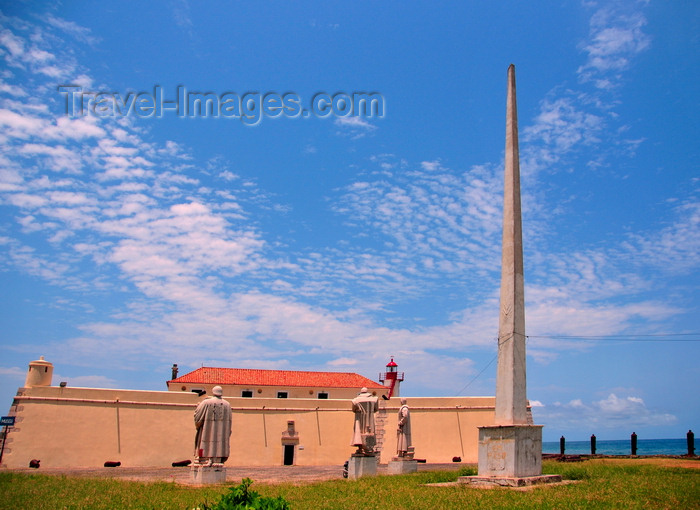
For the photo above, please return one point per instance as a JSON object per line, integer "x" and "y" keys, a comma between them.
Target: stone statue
{"x": 403, "y": 432}
{"x": 364, "y": 406}
{"x": 212, "y": 418}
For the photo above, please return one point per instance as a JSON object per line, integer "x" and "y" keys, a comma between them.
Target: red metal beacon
{"x": 391, "y": 378}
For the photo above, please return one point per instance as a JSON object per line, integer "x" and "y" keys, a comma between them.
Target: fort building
{"x": 65, "y": 426}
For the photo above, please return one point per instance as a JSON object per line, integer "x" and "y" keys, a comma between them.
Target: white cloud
{"x": 76, "y": 129}
{"x": 17, "y": 125}
{"x": 14, "y": 372}
{"x": 672, "y": 249}
{"x": 59, "y": 158}
{"x": 26, "y": 201}
{"x": 13, "y": 90}
{"x": 430, "y": 166}
{"x": 612, "y": 412}
{"x": 615, "y": 38}
{"x": 80, "y": 33}
{"x": 343, "y": 362}
{"x": 354, "y": 122}
{"x": 13, "y": 44}
{"x": 560, "y": 125}
{"x": 354, "y": 127}
{"x": 448, "y": 219}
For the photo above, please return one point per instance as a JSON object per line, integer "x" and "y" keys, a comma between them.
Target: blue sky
{"x": 130, "y": 243}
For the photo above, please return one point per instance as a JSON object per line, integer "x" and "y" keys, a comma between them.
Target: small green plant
{"x": 468, "y": 471}
{"x": 241, "y": 498}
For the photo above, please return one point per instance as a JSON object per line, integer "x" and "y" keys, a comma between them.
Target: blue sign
{"x": 8, "y": 421}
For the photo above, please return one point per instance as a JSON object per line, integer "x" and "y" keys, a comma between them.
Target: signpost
{"x": 7, "y": 421}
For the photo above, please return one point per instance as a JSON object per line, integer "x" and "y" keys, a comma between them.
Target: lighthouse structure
{"x": 391, "y": 378}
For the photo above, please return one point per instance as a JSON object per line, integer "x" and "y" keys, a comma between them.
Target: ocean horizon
{"x": 620, "y": 447}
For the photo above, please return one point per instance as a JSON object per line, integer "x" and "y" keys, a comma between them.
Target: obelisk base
{"x": 510, "y": 451}
{"x": 202, "y": 474}
{"x": 362, "y": 465}
{"x": 503, "y": 481}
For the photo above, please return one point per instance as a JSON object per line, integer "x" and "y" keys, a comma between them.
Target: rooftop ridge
{"x": 274, "y": 377}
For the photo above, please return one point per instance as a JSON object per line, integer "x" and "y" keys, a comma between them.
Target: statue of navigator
{"x": 403, "y": 431}
{"x": 365, "y": 405}
{"x": 212, "y": 418}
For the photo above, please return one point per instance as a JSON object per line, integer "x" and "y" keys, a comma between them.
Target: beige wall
{"x": 441, "y": 427}
{"x": 86, "y": 427}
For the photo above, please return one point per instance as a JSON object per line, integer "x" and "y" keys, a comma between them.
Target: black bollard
{"x": 562, "y": 445}
{"x": 593, "y": 444}
{"x": 690, "y": 437}
{"x": 633, "y": 440}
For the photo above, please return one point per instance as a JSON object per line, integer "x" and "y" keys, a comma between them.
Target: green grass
{"x": 599, "y": 485}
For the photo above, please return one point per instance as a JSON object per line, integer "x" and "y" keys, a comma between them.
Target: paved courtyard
{"x": 234, "y": 474}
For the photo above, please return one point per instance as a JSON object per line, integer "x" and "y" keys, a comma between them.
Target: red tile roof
{"x": 290, "y": 378}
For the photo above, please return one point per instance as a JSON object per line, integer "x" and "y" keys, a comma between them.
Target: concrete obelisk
{"x": 510, "y": 453}
{"x": 511, "y": 399}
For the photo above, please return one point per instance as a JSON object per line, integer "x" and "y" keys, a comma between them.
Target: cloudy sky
{"x": 133, "y": 237}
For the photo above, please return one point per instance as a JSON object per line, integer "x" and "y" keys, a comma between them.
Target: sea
{"x": 621, "y": 447}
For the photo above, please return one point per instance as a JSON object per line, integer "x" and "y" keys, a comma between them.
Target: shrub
{"x": 241, "y": 498}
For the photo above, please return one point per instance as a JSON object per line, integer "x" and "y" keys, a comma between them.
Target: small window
{"x": 322, "y": 394}
{"x": 247, "y": 393}
{"x": 281, "y": 394}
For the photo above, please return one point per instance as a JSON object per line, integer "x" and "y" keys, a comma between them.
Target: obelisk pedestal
{"x": 510, "y": 452}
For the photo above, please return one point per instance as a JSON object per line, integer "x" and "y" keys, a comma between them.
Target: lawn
{"x": 598, "y": 484}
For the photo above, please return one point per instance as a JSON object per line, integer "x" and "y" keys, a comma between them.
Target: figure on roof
{"x": 212, "y": 419}
{"x": 365, "y": 405}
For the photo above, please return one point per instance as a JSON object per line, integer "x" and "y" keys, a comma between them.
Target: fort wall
{"x": 75, "y": 427}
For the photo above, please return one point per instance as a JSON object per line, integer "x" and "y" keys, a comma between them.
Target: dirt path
{"x": 657, "y": 461}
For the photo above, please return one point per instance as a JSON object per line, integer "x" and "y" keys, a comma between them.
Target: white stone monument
{"x": 510, "y": 452}
{"x": 364, "y": 461}
{"x": 212, "y": 420}
{"x": 403, "y": 462}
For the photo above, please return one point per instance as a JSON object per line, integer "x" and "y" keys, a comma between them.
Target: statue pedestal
{"x": 362, "y": 465}
{"x": 201, "y": 474}
{"x": 402, "y": 466}
{"x": 510, "y": 455}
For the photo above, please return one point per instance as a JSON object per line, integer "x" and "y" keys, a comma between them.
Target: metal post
{"x": 633, "y": 441}
{"x": 562, "y": 445}
{"x": 318, "y": 427}
{"x": 593, "y": 444}
{"x": 690, "y": 437}
{"x": 264, "y": 425}
{"x": 459, "y": 430}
